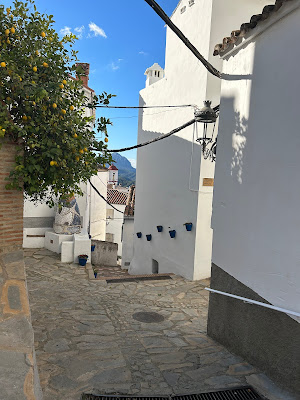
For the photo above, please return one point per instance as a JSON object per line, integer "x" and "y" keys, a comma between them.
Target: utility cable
{"x": 138, "y": 107}
{"x": 160, "y": 12}
{"x": 151, "y": 141}
{"x": 96, "y": 190}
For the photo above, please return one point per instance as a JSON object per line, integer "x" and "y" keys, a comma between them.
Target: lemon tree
{"x": 42, "y": 107}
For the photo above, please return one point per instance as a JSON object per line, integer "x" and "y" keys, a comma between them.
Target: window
{"x": 158, "y": 74}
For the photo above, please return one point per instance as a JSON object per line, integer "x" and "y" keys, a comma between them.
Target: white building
{"x": 174, "y": 182}
{"x": 117, "y": 197}
{"x": 128, "y": 229}
{"x": 255, "y": 220}
{"x": 39, "y": 218}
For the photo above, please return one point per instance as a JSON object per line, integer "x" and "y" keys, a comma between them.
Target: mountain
{"x": 126, "y": 170}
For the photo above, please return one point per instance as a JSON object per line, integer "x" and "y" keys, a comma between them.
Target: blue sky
{"x": 120, "y": 39}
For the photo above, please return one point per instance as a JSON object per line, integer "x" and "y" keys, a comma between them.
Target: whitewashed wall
{"x": 114, "y": 225}
{"x": 98, "y": 206}
{"x": 165, "y": 193}
{"x": 256, "y": 219}
{"x": 127, "y": 241}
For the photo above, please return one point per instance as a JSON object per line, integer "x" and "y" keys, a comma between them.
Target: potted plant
{"x": 172, "y": 234}
{"x": 188, "y": 226}
{"x": 82, "y": 258}
{"x": 159, "y": 228}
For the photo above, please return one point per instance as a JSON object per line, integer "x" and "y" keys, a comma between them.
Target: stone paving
{"x": 87, "y": 341}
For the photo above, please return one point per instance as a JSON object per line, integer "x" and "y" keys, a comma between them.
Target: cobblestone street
{"x": 86, "y": 339}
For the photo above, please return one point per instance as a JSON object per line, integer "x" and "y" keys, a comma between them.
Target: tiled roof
{"x": 113, "y": 167}
{"x": 247, "y": 26}
{"x": 114, "y": 196}
{"x": 129, "y": 209}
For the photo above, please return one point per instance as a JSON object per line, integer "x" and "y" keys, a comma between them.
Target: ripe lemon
{"x": 3, "y": 64}
{"x": 106, "y": 140}
{"x": 12, "y": 30}
{"x": 45, "y": 64}
{"x": 71, "y": 108}
{"x": 85, "y": 149}
{"x": 63, "y": 111}
{"x": 6, "y": 32}
{"x": 24, "y": 118}
{"x": 34, "y": 69}
{"x": 54, "y": 105}
{"x": 33, "y": 103}
{"x": 77, "y": 158}
{"x": 81, "y": 151}
{"x": 61, "y": 86}
{"x": 52, "y": 163}
{"x": 33, "y": 82}
{"x": 8, "y": 10}
{"x": 37, "y": 53}
{"x": 3, "y": 130}
{"x": 75, "y": 135}
{"x": 64, "y": 82}
{"x": 20, "y": 79}
{"x": 43, "y": 34}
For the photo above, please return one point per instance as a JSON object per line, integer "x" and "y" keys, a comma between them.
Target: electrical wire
{"x": 139, "y": 107}
{"x": 191, "y": 122}
{"x": 96, "y": 190}
{"x": 160, "y": 12}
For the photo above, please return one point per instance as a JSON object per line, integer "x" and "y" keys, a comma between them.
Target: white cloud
{"x": 114, "y": 66}
{"x": 97, "y": 31}
{"x": 132, "y": 162}
{"x": 143, "y": 53}
{"x": 79, "y": 31}
{"x": 65, "y": 31}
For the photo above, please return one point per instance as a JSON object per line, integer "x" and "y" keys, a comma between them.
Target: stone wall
{"x": 18, "y": 369}
{"x": 11, "y": 203}
{"x": 105, "y": 253}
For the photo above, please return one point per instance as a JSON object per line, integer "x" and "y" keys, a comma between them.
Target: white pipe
{"x": 258, "y": 303}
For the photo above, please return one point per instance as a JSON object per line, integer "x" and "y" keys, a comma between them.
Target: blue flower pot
{"x": 82, "y": 261}
{"x": 93, "y": 247}
{"x": 172, "y": 234}
{"x": 139, "y": 234}
{"x": 149, "y": 237}
{"x": 159, "y": 228}
{"x": 188, "y": 226}
{"x": 95, "y": 274}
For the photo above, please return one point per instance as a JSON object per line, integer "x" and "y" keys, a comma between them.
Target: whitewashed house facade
{"x": 172, "y": 176}
{"x": 255, "y": 219}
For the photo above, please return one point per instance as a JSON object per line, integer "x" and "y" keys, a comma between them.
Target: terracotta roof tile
{"x": 114, "y": 196}
{"x": 129, "y": 209}
{"x": 247, "y": 26}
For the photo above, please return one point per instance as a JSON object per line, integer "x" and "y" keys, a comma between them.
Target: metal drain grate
{"x": 142, "y": 278}
{"x": 243, "y": 393}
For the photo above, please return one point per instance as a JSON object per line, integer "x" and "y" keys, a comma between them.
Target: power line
{"x": 138, "y": 107}
{"x": 160, "y": 12}
{"x": 153, "y": 140}
{"x": 96, "y": 190}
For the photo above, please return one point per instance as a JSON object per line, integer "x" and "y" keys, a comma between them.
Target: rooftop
{"x": 115, "y": 196}
{"x": 246, "y": 27}
{"x": 129, "y": 209}
{"x": 113, "y": 167}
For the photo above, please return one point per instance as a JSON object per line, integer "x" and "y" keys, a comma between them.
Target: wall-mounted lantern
{"x": 207, "y": 115}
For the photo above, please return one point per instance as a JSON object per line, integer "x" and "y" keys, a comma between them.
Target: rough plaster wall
{"x": 256, "y": 198}
{"x": 98, "y": 206}
{"x": 127, "y": 242}
{"x": 114, "y": 225}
